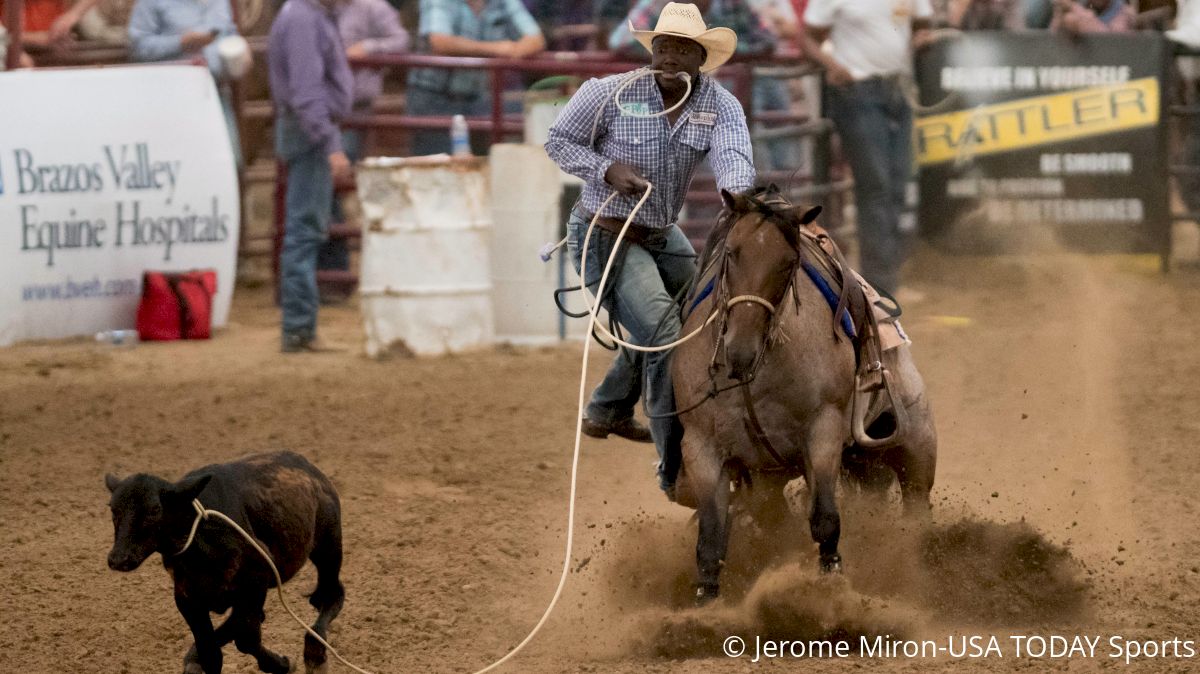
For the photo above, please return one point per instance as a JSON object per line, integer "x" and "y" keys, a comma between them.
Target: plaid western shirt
{"x": 712, "y": 123}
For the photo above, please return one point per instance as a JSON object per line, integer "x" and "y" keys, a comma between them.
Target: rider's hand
{"x": 625, "y": 179}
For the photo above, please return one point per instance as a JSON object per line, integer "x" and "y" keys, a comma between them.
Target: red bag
{"x": 176, "y": 305}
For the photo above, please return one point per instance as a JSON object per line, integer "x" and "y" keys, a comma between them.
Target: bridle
{"x": 727, "y": 304}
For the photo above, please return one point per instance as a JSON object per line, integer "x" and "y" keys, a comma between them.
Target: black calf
{"x": 282, "y": 500}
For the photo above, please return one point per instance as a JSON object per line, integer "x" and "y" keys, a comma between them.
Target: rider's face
{"x": 672, "y": 55}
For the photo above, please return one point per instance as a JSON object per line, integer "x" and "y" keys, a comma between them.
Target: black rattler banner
{"x": 1044, "y": 137}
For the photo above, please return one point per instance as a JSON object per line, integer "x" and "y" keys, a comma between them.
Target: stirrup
{"x": 861, "y": 405}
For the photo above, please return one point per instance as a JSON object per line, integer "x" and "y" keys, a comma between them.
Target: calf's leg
{"x": 330, "y": 595}
{"x": 247, "y": 620}
{"x": 204, "y": 657}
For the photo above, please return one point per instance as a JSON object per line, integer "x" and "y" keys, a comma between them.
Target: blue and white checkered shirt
{"x": 711, "y": 123}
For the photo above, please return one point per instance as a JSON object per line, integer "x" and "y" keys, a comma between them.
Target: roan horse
{"x": 776, "y": 340}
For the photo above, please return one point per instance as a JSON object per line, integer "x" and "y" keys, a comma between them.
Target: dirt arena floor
{"x": 1066, "y": 398}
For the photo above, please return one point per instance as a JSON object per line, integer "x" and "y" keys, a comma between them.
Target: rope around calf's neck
{"x": 204, "y": 513}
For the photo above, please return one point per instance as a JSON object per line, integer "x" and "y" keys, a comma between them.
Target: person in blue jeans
{"x": 311, "y": 87}
{"x": 627, "y": 150}
{"x": 864, "y": 74}
{"x": 367, "y": 27}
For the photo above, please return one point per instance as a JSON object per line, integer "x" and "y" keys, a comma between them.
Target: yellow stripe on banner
{"x": 1029, "y": 122}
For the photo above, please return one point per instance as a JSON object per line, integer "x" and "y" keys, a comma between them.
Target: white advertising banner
{"x": 104, "y": 174}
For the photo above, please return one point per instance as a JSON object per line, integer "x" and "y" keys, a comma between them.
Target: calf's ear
{"x": 111, "y": 482}
{"x": 189, "y": 488}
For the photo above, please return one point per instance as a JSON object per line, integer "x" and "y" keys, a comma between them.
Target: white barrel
{"x": 425, "y": 278}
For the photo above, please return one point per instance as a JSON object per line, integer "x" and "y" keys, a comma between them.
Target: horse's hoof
{"x": 310, "y": 668}
{"x": 706, "y": 594}
{"x": 831, "y": 564}
{"x": 192, "y": 667}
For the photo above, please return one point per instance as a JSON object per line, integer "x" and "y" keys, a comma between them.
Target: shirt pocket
{"x": 633, "y": 140}
{"x": 696, "y": 138}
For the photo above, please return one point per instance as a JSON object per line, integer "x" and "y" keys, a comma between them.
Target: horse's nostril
{"x": 740, "y": 365}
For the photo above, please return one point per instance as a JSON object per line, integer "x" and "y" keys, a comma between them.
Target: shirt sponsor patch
{"x": 635, "y": 109}
{"x": 705, "y": 118}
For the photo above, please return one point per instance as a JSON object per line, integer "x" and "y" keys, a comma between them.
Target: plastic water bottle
{"x": 460, "y": 140}
{"x": 117, "y": 337}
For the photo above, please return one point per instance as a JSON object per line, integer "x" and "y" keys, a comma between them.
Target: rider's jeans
{"x": 643, "y": 281}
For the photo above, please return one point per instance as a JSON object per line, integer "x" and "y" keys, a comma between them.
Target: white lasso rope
{"x": 203, "y": 513}
{"x": 562, "y": 579}
{"x": 593, "y": 308}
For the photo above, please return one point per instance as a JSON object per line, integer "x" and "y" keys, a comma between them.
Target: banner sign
{"x": 104, "y": 174}
{"x": 1035, "y": 131}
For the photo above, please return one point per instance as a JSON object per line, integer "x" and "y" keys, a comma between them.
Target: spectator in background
{"x": 778, "y": 17}
{"x": 754, "y": 38}
{"x": 495, "y": 28}
{"x": 1038, "y": 13}
{"x": 553, "y": 15}
{"x": 608, "y": 14}
{"x": 973, "y": 15}
{"x": 1187, "y": 24}
{"x": 49, "y": 22}
{"x": 366, "y": 27}
{"x": 1187, "y": 33}
{"x": 798, "y": 6}
{"x": 772, "y": 94}
{"x": 1093, "y": 16}
{"x": 172, "y": 30}
{"x": 872, "y": 42}
{"x": 23, "y": 60}
{"x": 312, "y": 88}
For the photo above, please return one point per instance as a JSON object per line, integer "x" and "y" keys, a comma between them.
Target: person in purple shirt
{"x": 312, "y": 88}
{"x": 367, "y": 27}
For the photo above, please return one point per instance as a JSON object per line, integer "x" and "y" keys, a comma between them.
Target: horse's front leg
{"x": 711, "y": 482}
{"x": 823, "y": 462}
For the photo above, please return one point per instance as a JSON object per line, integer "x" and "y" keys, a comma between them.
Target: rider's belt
{"x": 639, "y": 234}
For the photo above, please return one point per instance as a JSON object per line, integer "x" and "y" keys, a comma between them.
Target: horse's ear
{"x": 730, "y": 200}
{"x": 806, "y": 214}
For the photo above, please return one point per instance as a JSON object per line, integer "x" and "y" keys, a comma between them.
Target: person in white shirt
{"x": 871, "y": 52}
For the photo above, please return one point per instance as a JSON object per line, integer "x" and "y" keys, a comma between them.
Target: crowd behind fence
{"x": 819, "y": 180}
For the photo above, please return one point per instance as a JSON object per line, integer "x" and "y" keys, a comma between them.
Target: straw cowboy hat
{"x": 682, "y": 19}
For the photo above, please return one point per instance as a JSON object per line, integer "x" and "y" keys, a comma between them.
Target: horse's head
{"x": 762, "y": 252}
